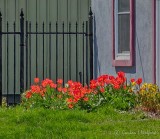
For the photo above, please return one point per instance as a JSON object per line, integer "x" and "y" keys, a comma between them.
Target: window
{"x": 123, "y": 33}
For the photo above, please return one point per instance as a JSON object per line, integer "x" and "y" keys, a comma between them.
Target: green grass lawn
{"x": 103, "y": 123}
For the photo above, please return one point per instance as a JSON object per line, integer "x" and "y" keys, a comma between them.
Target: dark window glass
{"x": 123, "y": 33}
{"x": 123, "y": 5}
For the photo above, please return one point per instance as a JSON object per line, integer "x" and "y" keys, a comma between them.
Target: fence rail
{"x": 51, "y": 51}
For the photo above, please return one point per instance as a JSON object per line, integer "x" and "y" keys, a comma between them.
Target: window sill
{"x": 122, "y": 63}
{"x": 123, "y": 56}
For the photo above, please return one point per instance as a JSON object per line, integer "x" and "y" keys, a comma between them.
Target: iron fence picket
{"x": 91, "y": 42}
{"x": 70, "y": 70}
{"x": 87, "y": 52}
{"x": 22, "y": 51}
{"x": 14, "y": 82}
{"x": 57, "y": 50}
{"x": 36, "y": 49}
{"x": 50, "y": 52}
{"x": 76, "y": 52}
{"x": 27, "y": 55}
{"x": 7, "y": 63}
{"x": 83, "y": 51}
{"x": 0, "y": 58}
{"x": 30, "y": 53}
{"x": 43, "y": 51}
{"x": 63, "y": 50}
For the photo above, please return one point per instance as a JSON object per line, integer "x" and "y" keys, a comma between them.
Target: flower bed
{"x": 106, "y": 89}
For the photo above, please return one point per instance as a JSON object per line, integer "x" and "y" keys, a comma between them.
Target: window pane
{"x": 123, "y": 33}
{"x": 123, "y": 5}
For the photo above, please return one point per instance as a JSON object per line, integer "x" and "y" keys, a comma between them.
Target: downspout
{"x": 154, "y": 41}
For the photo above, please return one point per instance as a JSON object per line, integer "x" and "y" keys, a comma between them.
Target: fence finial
{"x": 90, "y": 12}
{"x": 22, "y": 14}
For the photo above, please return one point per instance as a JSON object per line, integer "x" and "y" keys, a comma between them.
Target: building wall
{"x": 102, "y": 10}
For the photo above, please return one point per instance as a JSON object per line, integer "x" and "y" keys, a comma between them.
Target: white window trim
{"x": 119, "y": 56}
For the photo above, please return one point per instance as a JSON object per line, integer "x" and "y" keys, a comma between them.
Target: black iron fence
{"x": 60, "y": 50}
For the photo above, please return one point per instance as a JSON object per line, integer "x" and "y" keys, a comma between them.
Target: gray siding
{"x": 102, "y": 10}
{"x": 45, "y": 10}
